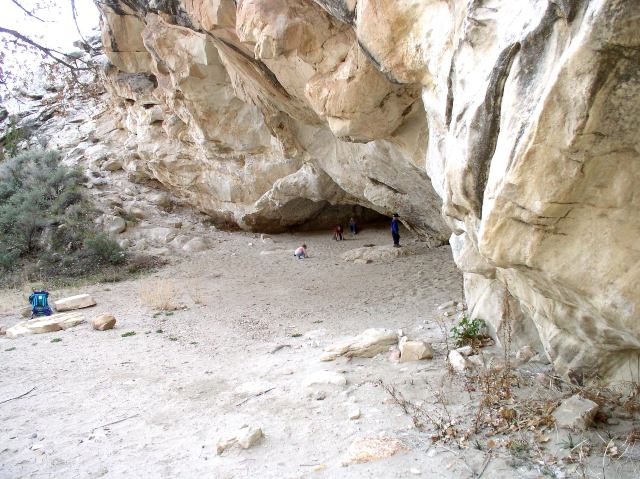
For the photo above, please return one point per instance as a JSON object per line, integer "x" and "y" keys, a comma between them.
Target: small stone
{"x": 321, "y": 396}
{"x": 465, "y": 350}
{"x": 224, "y": 444}
{"x": 114, "y": 224}
{"x": 369, "y": 449}
{"x": 195, "y": 245}
{"x": 447, "y": 305}
{"x": 525, "y": 353}
{"x": 414, "y": 350}
{"x": 458, "y": 361}
{"x": 460, "y": 307}
{"x": 354, "y": 413}
{"x": 362, "y": 261}
{"x": 575, "y": 413}
{"x": 112, "y": 164}
{"x": 325, "y": 377}
{"x": 415, "y": 471}
{"x": 3, "y": 329}
{"x": 103, "y": 322}
{"x": 249, "y": 436}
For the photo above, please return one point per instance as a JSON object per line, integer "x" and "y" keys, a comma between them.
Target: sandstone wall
{"x": 517, "y": 119}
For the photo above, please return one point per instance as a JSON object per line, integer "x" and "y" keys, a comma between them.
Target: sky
{"x": 59, "y": 29}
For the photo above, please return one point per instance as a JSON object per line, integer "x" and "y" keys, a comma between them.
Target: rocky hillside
{"x": 512, "y": 125}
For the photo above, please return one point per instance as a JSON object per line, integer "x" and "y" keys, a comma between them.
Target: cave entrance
{"x": 327, "y": 216}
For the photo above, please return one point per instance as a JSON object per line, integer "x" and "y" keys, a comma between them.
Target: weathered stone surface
{"x": 103, "y": 322}
{"x": 458, "y": 362}
{"x": 367, "y": 344}
{"x": 367, "y": 449}
{"x": 414, "y": 350}
{"x": 518, "y": 122}
{"x": 74, "y": 302}
{"x": 45, "y": 324}
{"x": 379, "y": 253}
{"x": 575, "y": 413}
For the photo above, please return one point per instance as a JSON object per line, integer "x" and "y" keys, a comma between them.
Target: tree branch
{"x": 31, "y": 14}
{"x": 46, "y": 50}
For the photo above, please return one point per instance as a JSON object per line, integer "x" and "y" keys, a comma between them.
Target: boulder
{"x": 367, "y": 344}
{"x": 103, "y": 322}
{"x": 414, "y": 350}
{"x": 114, "y": 224}
{"x": 324, "y": 377}
{"x": 575, "y": 413}
{"x": 367, "y": 449}
{"x": 45, "y": 324}
{"x": 74, "y": 302}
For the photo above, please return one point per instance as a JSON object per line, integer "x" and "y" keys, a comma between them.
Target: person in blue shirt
{"x": 395, "y": 230}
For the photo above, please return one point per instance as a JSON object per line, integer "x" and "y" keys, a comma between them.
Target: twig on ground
{"x": 115, "y": 422}
{"x": 254, "y": 396}
{"x": 18, "y": 397}
{"x": 484, "y": 465}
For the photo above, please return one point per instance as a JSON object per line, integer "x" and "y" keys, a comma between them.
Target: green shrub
{"x": 468, "y": 331}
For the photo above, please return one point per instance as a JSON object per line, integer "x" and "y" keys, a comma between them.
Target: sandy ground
{"x": 187, "y": 378}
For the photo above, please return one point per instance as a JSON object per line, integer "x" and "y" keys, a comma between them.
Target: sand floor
{"x": 187, "y": 378}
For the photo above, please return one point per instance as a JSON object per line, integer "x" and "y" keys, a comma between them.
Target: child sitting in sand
{"x": 301, "y": 252}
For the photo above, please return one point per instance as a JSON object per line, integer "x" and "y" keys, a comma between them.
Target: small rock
{"x": 321, "y": 396}
{"x": 447, "y": 305}
{"x": 103, "y": 322}
{"x": 325, "y": 377}
{"x": 249, "y": 244}
{"x": 465, "y": 350}
{"x": 3, "y": 329}
{"x": 195, "y": 245}
{"x": 114, "y": 224}
{"x": 414, "y": 350}
{"x": 161, "y": 199}
{"x": 394, "y": 354}
{"x": 74, "y": 302}
{"x": 369, "y": 449}
{"x": 525, "y": 353}
{"x": 458, "y": 361}
{"x": 415, "y": 471}
{"x": 367, "y": 344}
{"x": 249, "y": 436}
{"x": 354, "y": 413}
{"x": 362, "y": 261}
{"x": 112, "y": 164}
{"x": 224, "y": 444}
{"x": 575, "y": 413}
{"x": 460, "y": 307}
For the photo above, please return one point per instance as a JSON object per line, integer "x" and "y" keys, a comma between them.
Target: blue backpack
{"x": 40, "y": 304}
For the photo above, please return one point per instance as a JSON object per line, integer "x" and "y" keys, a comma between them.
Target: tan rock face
{"x": 518, "y": 122}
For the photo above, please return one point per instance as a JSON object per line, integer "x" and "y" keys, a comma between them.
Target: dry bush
{"x": 160, "y": 294}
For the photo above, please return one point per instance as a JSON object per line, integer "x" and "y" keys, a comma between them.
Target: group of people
{"x": 301, "y": 251}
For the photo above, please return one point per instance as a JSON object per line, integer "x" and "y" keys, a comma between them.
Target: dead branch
{"x": 18, "y": 397}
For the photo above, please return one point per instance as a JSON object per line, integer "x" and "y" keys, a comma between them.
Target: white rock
{"x": 45, "y": 324}
{"x": 458, "y": 361}
{"x": 447, "y": 305}
{"x": 248, "y": 436}
{"x": 575, "y": 413}
{"x": 324, "y": 377}
{"x": 367, "y": 449}
{"x": 74, "y": 302}
{"x": 366, "y": 345}
{"x": 224, "y": 444}
{"x": 103, "y": 322}
{"x": 160, "y": 234}
{"x": 114, "y": 224}
{"x": 465, "y": 350}
{"x": 354, "y": 413}
{"x": 195, "y": 245}
{"x": 112, "y": 164}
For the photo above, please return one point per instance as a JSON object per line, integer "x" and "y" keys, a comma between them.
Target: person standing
{"x": 395, "y": 230}
{"x": 353, "y": 226}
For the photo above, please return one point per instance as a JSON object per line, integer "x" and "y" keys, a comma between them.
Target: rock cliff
{"x": 513, "y": 125}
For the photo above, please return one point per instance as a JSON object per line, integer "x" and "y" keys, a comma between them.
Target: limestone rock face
{"x": 513, "y": 124}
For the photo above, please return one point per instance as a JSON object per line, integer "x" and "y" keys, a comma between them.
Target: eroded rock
{"x": 367, "y": 344}
{"x": 74, "y": 302}
{"x": 103, "y": 322}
